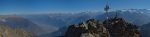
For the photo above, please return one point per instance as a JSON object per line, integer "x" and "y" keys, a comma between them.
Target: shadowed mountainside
{"x": 145, "y": 30}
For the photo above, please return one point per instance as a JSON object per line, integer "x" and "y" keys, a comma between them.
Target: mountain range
{"x": 52, "y": 24}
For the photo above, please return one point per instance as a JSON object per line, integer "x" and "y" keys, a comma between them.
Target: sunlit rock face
{"x": 90, "y": 28}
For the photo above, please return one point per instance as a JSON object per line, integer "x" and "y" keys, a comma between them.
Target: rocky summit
{"x": 112, "y": 27}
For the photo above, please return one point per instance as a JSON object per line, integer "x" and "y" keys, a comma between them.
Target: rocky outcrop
{"x": 90, "y": 28}
{"x": 113, "y": 27}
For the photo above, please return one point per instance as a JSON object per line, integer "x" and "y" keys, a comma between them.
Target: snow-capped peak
{"x": 139, "y": 11}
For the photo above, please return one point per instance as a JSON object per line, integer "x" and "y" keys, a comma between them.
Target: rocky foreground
{"x": 113, "y": 27}
{"x": 6, "y": 31}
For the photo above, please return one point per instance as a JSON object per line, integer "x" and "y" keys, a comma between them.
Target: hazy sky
{"x": 64, "y": 6}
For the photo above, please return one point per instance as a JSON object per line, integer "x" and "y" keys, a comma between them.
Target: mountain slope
{"x": 19, "y": 22}
{"x": 145, "y": 30}
{"x": 6, "y": 31}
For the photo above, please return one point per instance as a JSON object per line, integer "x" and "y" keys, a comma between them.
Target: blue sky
{"x": 66, "y": 6}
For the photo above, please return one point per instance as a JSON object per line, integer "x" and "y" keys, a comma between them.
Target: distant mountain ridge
{"x": 52, "y": 23}
{"x": 135, "y": 16}
{"x": 129, "y": 14}
{"x": 56, "y": 21}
